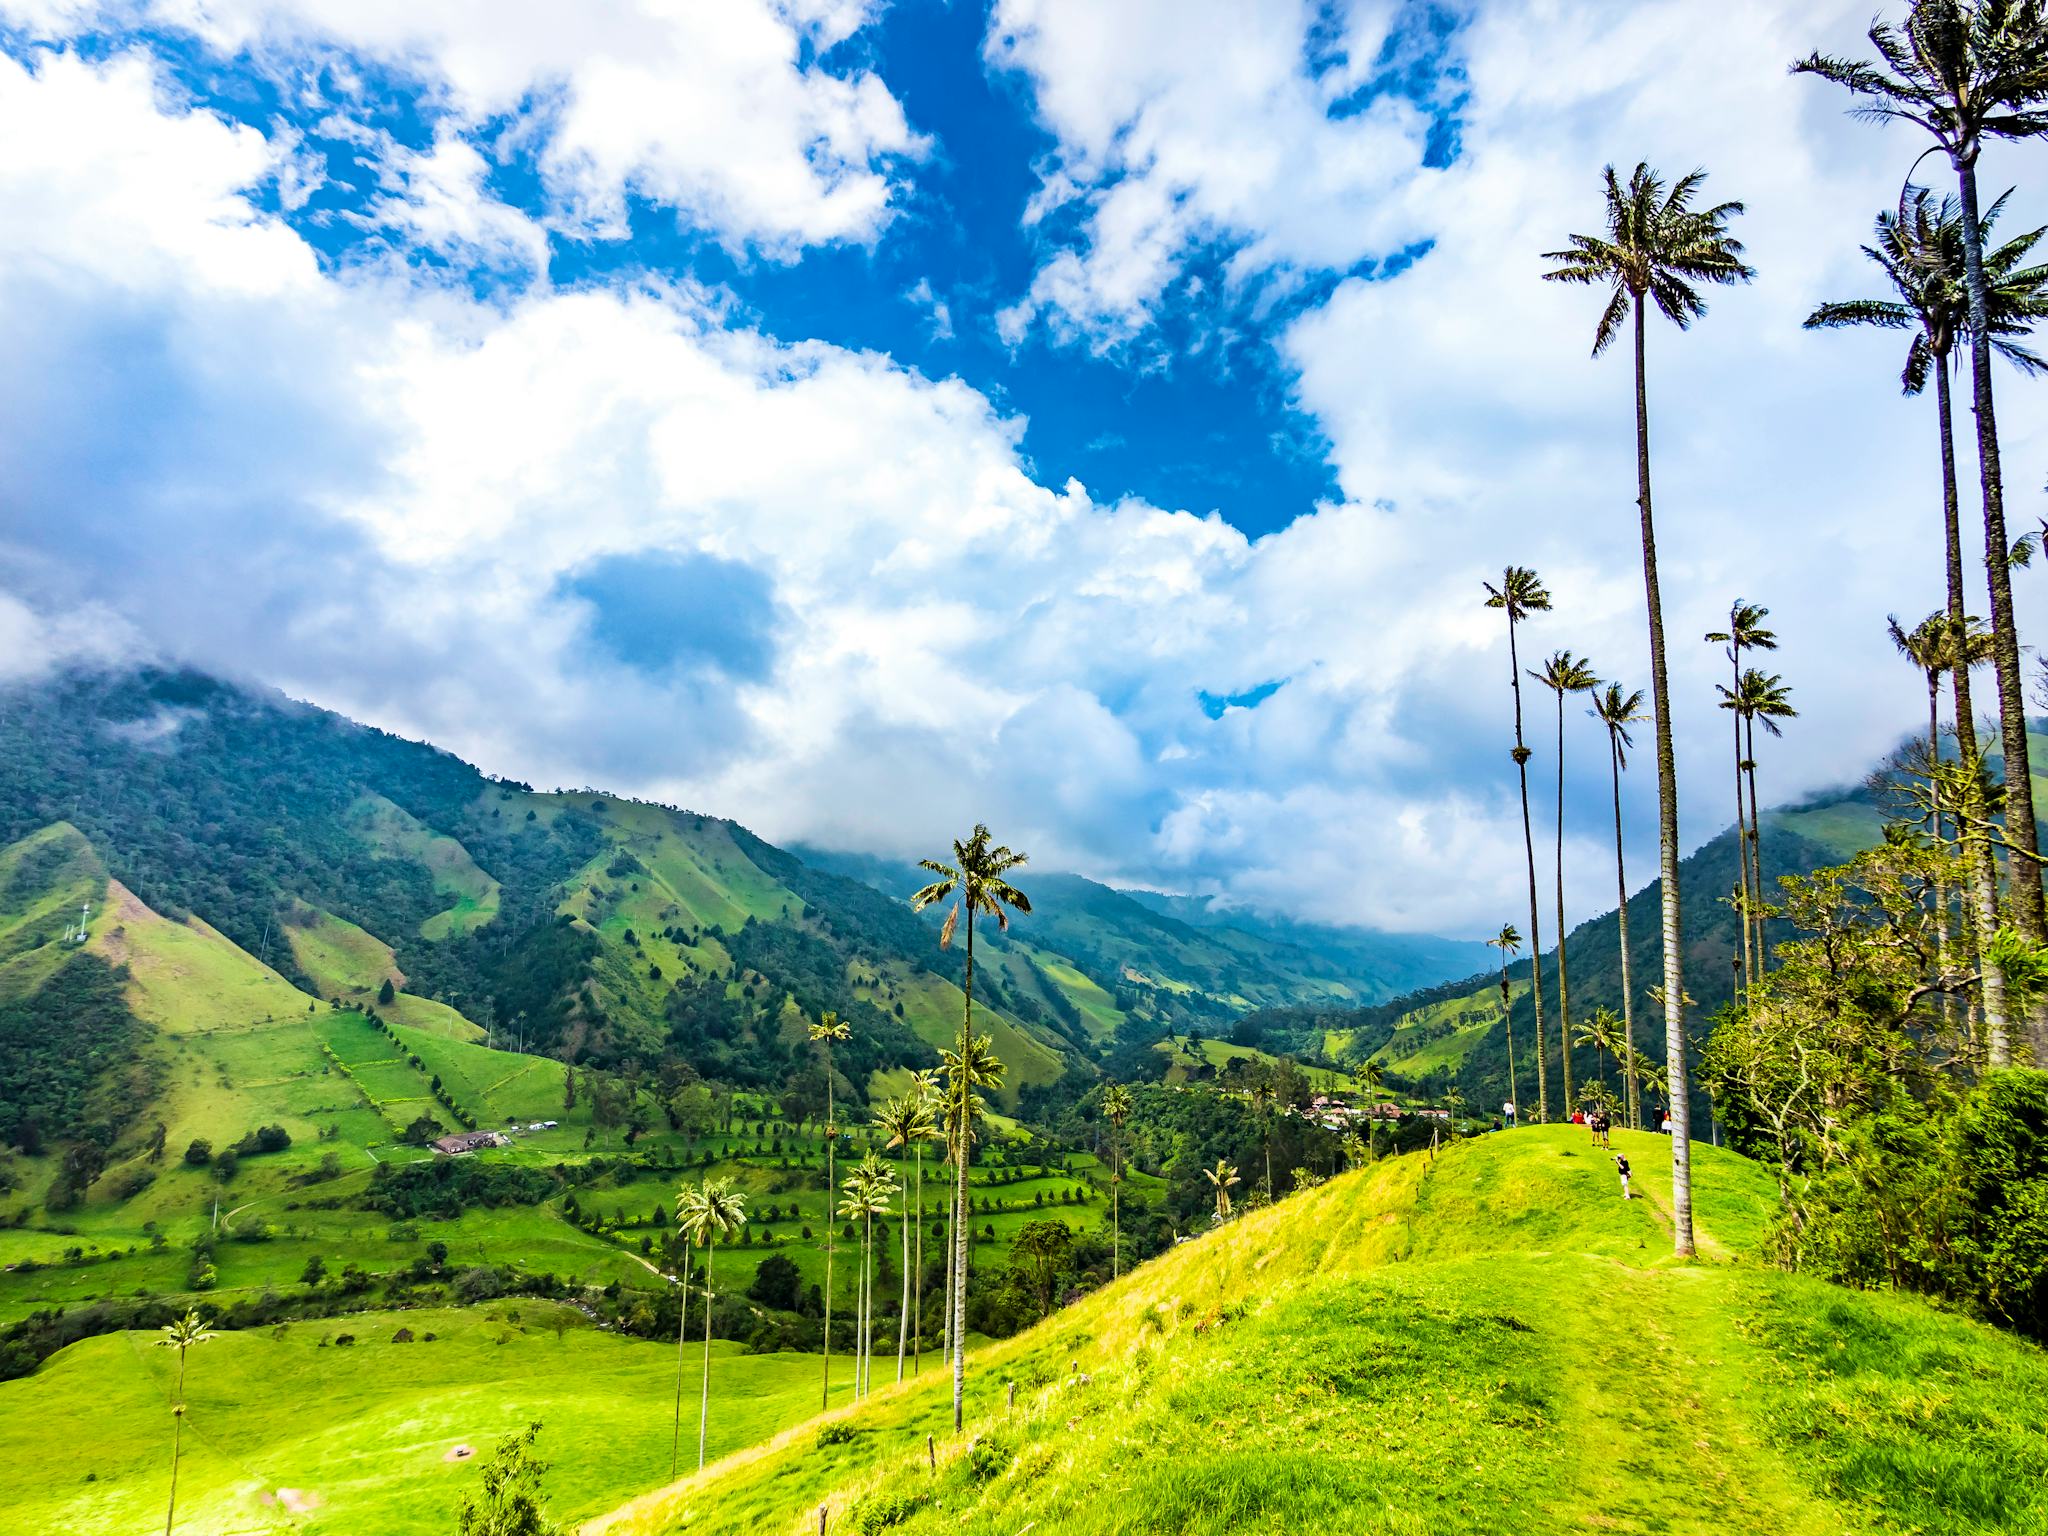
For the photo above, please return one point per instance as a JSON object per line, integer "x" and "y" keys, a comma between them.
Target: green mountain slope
{"x": 1488, "y": 1341}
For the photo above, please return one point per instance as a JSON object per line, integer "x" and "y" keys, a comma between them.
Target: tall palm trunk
{"x": 2022, "y": 873}
{"x": 1564, "y": 994}
{"x": 675, "y": 1444}
{"x": 1667, "y": 833}
{"x": 903, "y": 1322}
{"x": 177, "y": 1443}
{"x": 960, "y": 1188}
{"x": 1633, "y": 1107}
{"x": 1741, "y": 827}
{"x": 1947, "y": 1003}
{"x": 1508, "y": 1019}
{"x": 864, "y": 1328}
{"x": 1979, "y": 864}
{"x": 917, "y": 1343}
{"x": 704, "y": 1400}
{"x": 831, "y": 1189}
{"x": 1116, "y": 1219}
{"x": 1529, "y": 854}
{"x": 1756, "y": 840}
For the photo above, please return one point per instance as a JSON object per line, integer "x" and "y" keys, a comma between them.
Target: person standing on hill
{"x": 1621, "y": 1167}
{"x": 1507, "y": 1113}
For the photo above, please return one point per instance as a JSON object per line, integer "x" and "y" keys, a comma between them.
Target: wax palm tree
{"x": 965, "y": 1074}
{"x": 907, "y": 1119}
{"x": 181, "y": 1335}
{"x": 925, "y": 1084}
{"x": 868, "y": 1191}
{"x": 1562, "y": 674}
{"x": 1521, "y": 593}
{"x": 1657, "y": 248}
{"x": 717, "y": 1211}
{"x": 1762, "y": 696}
{"x": 1926, "y": 647}
{"x": 1373, "y": 1078}
{"x": 977, "y": 881}
{"x": 1509, "y": 943}
{"x": 1116, "y": 1109}
{"x": 1965, "y": 72}
{"x": 1617, "y": 711}
{"x": 1603, "y": 1033}
{"x": 1920, "y": 249}
{"x": 1745, "y": 631}
{"x": 687, "y": 1200}
{"x": 1223, "y": 1179}
{"x": 826, "y": 1033}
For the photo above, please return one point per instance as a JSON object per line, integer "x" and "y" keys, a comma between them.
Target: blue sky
{"x": 863, "y": 418}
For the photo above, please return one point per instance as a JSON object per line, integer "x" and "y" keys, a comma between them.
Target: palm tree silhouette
{"x": 1745, "y": 631}
{"x": 1564, "y": 673}
{"x": 1509, "y": 943}
{"x": 1262, "y": 1106}
{"x": 1618, "y": 711}
{"x": 1521, "y": 593}
{"x": 716, "y": 1211}
{"x": 978, "y": 882}
{"x": 867, "y": 1193}
{"x": 1657, "y": 246}
{"x": 181, "y": 1335}
{"x": 1223, "y": 1178}
{"x": 687, "y": 1200}
{"x": 908, "y": 1120}
{"x": 1372, "y": 1077}
{"x": 1920, "y": 250}
{"x": 1116, "y": 1109}
{"x": 1964, "y": 73}
{"x": 827, "y": 1032}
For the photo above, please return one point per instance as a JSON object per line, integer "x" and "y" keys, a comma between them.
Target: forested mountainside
{"x": 362, "y": 867}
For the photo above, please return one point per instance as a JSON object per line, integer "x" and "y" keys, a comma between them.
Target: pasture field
{"x": 360, "y": 1433}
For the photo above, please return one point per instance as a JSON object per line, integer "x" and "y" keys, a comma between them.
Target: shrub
{"x": 884, "y": 1508}
{"x": 199, "y": 1153}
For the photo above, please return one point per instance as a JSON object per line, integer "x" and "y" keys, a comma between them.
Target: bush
{"x": 776, "y": 1283}
{"x": 1999, "y": 1143}
{"x": 199, "y": 1153}
{"x": 886, "y": 1507}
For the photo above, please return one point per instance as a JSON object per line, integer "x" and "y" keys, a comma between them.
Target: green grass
{"x": 44, "y": 880}
{"x": 186, "y": 977}
{"x": 347, "y": 962}
{"x": 1486, "y": 1342}
{"x": 1219, "y": 1053}
{"x": 472, "y": 894}
{"x": 1438, "y": 1037}
{"x": 365, "y": 1428}
{"x": 1099, "y": 1011}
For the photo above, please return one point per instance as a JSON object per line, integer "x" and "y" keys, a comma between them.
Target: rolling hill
{"x": 1484, "y": 1341}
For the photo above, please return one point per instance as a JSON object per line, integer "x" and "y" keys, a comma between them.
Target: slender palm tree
{"x": 1926, "y": 647}
{"x": 181, "y": 1335}
{"x": 1564, "y": 673}
{"x": 687, "y": 1201}
{"x": 1223, "y": 1179}
{"x": 1745, "y": 631}
{"x": 977, "y": 881}
{"x": 1372, "y": 1077}
{"x": 907, "y": 1119}
{"x": 925, "y": 1085}
{"x": 826, "y": 1033}
{"x": 1509, "y": 943}
{"x": 1603, "y": 1033}
{"x": 1116, "y": 1109}
{"x": 1920, "y": 250}
{"x": 966, "y": 1074}
{"x": 1521, "y": 593}
{"x": 1965, "y": 71}
{"x": 867, "y": 1193}
{"x": 1657, "y": 248}
{"x": 1618, "y": 711}
{"x": 718, "y": 1211}
{"x": 1760, "y": 696}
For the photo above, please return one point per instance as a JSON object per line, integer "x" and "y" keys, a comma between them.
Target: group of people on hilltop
{"x": 1600, "y": 1125}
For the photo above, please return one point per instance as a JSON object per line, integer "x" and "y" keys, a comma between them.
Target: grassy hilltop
{"x": 1490, "y": 1341}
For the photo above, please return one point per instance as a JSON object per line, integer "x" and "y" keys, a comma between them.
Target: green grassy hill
{"x": 1489, "y": 1341}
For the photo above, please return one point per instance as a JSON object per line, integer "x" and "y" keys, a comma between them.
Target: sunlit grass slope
{"x": 360, "y": 1433}
{"x": 1491, "y": 1341}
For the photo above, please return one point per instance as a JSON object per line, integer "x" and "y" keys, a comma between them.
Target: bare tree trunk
{"x": 825, "y": 1395}
{"x": 1667, "y": 835}
{"x": 1741, "y": 826}
{"x": 177, "y": 1444}
{"x": 1756, "y": 861}
{"x": 1529, "y": 853}
{"x": 704, "y": 1402}
{"x": 917, "y": 1343}
{"x": 1947, "y": 1000}
{"x": 1978, "y": 861}
{"x": 675, "y": 1444}
{"x": 903, "y": 1323}
{"x": 2023, "y": 875}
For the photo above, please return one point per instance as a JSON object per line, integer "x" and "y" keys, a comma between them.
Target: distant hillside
{"x": 1484, "y": 1341}
{"x": 1150, "y": 953}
